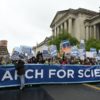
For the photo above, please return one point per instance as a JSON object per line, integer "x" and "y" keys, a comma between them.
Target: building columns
{"x": 57, "y": 30}
{"x": 90, "y": 32}
{"x": 97, "y": 33}
{"x": 61, "y": 28}
{"x": 70, "y": 26}
{"x": 94, "y": 28}
{"x": 65, "y": 26}
{"x": 87, "y": 32}
{"x": 53, "y": 32}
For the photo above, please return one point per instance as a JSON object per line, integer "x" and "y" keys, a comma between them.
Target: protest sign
{"x": 82, "y": 44}
{"x": 74, "y": 51}
{"x": 45, "y": 54}
{"x": 93, "y": 50}
{"x": 26, "y": 49}
{"x": 15, "y": 54}
{"x": 89, "y": 54}
{"x": 65, "y": 46}
{"x": 53, "y": 50}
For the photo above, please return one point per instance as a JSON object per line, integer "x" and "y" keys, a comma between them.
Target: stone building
{"x": 4, "y": 54}
{"x": 80, "y": 23}
{"x": 3, "y": 48}
{"x": 42, "y": 46}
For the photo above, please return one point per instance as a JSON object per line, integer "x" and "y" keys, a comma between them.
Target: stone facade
{"x": 43, "y": 45}
{"x": 80, "y": 23}
{"x": 3, "y": 48}
{"x": 3, "y": 43}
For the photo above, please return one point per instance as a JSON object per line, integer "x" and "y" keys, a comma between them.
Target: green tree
{"x": 63, "y": 36}
{"x": 92, "y": 43}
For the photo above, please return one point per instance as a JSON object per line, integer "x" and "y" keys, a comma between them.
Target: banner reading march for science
{"x": 47, "y": 74}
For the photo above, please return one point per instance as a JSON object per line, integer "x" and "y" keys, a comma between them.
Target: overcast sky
{"x": 27, "y": 22}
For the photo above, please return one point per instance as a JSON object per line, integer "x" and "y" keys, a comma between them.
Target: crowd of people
{"x": 39, "y": 59}
{"x": 63, "y": 60}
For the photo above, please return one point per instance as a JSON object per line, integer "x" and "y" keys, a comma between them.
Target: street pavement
{"x": 51, "y": 92}
{"x": 72, "y": 92}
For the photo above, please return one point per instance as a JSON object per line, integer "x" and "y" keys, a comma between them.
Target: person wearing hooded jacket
{"x": 21, "y": 72}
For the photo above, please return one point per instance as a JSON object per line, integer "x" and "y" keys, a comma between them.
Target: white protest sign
{"x": 90, "y": 54}
{"x": 93, "y": 50}
{"x": 53, "y": 50}
{"x": 82, "y": 52}
{"x": 15, "y": 53}
{"x": 45, "y": 54}
{"x": 45, "y": 47}
{"x": 98, "y": 51}
{"x": 82, "y": 41}
{"x": 26, "y": 49}
{"x": 74, "y": 51}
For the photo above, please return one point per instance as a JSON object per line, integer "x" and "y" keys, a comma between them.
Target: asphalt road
{"x": 72, "y": 92}
{"x": 51, "y": 92}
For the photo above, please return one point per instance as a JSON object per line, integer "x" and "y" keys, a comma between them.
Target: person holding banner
{"x": 21, "y": 71}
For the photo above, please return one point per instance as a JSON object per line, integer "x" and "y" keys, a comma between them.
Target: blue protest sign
{"x": 64, "y": 44}
{"x": 26, "y": 49}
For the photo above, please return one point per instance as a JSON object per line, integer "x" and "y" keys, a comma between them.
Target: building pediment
{"x": 58, "y": 16}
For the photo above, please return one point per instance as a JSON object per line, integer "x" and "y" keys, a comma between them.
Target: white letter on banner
{"x": 86, "y": 73}
{"x": 16, "y": 75}
{"x": 7, "y": 75}
{"x": 80, "y": 72}
{"x": 70, "y": 74}
{"x": 63, "y": 73}
{"x": 37, "y": 73}
{"x": 97, "y": 72}
{"x": 26, "y": 74}
{"x": 51, "y": 72}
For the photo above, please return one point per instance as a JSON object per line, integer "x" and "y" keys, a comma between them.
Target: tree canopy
{"x": 63, "y": 36}
{"x": 92, "y": 43}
